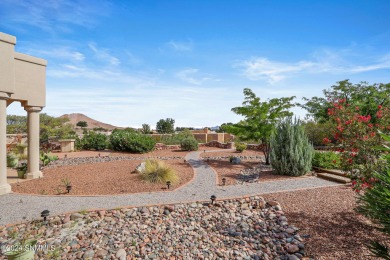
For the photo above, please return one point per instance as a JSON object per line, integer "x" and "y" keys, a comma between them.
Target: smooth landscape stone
{"x": 235, "y": 229}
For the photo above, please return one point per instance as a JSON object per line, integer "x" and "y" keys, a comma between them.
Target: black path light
{"x": 45, "y": 214}
{"x": 168, "y": 184}
{"x": 68, "y": 188}
{"x": 213, "y": 198}
{"x": 223, "y": 181}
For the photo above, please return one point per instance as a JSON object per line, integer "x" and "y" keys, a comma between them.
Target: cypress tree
{"x": 291, "y": 152}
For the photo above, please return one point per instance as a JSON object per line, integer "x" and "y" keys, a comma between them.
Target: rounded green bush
{"x": 93, "y": 140}
{"x": 240, "y": 147}
{"x": 328, "y": 160}
{"x": 189, "y": 144}
{"x": 130, "y": 141}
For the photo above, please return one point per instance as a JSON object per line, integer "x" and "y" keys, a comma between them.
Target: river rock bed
{"x": 98, "y": 159}
{"x": 246, "y": 228}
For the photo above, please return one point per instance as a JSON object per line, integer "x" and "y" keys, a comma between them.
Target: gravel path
{"x": 19, "y": 208}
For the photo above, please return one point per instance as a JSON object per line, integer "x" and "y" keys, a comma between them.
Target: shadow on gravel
{"x": 341, "y": 235}
{"x": 197, "y": 163}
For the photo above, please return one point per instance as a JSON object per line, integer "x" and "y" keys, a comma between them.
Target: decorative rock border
{"x": 86, "y": 160}
{"x": 247, "y": 228}
{"x": 237, "y": 156}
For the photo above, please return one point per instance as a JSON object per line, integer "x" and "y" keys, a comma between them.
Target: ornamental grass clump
{"x": 291, "y": 152}
{"x": 158, "y": 172}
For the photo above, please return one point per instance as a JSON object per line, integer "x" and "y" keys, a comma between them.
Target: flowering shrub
{"x": 356, "y": 135}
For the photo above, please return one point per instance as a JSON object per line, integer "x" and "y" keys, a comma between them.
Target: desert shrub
{"x": 240, "y": 147}
{"x": 374, "y": 202}
{"x": 78, "y": 144}
{"x": 189, "y": 144}
{"x": 328, "y": 160}
{"x": 131, "y": 141}
{"x": 158, "y": 172}
{"x": 12, "y": 160}
{"x": 93, "y": 140}
{"x": 176, "y": 138}
{"x": 291, "y": 152}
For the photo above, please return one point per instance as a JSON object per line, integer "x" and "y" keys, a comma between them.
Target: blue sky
{"x": 132, "y": 62}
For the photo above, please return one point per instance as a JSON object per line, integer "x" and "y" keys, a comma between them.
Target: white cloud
{"x": 54, "y": 15}
{"x": 58, "y": 52}
{"x": 193, "y": 76}
{"x": 104, "y": 55}
{"x": 325, "y": 61}
{"x": 181, "y": 46}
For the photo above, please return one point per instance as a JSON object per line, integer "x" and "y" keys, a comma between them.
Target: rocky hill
{"x": 74, "y": 118}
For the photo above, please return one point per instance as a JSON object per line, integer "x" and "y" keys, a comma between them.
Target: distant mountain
{"x": 74, "y": 118}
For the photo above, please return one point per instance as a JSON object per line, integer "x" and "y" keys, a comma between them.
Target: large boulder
{"x": 235, "y": 160}
{"x": 140, "y": 168}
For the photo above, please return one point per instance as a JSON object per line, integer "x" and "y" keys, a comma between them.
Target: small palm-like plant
{"x": 158, "y": 172}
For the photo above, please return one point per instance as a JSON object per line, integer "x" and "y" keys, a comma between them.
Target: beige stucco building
{"x": 22, "y": 79}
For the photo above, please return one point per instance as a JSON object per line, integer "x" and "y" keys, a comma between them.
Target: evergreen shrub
{"x": 291, "y": 152}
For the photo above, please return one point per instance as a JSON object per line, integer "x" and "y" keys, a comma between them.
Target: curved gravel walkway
{"x": 19, "y": 208}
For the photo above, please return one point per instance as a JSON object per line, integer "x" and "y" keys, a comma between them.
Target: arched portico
{"x": 22, "y": 79}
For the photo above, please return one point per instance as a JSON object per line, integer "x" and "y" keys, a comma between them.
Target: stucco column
{"x": 33, "y": 142}
{"x": 4, "y": 186}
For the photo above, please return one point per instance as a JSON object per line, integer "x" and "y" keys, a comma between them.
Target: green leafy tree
{"x": 222, "y": 127}
{"x": 82, "y": 124}
{"x": 367, "y": 97}
{"x": 54, "y": 126}
{"x": 260, "y": 119}
{"x": 146, "y": 129}
{"x": 16, "y": 124}
{"x": 165, "y": 126}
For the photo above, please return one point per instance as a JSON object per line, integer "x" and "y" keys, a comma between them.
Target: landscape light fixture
{"x": 45, "y": 214}
{"x": 223, "y": 181}
{"x": 168, "y": 184}
{"x": 68, "y": 188}
{"x": 213, "y": 198}
{"x": 66, "y": 156}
